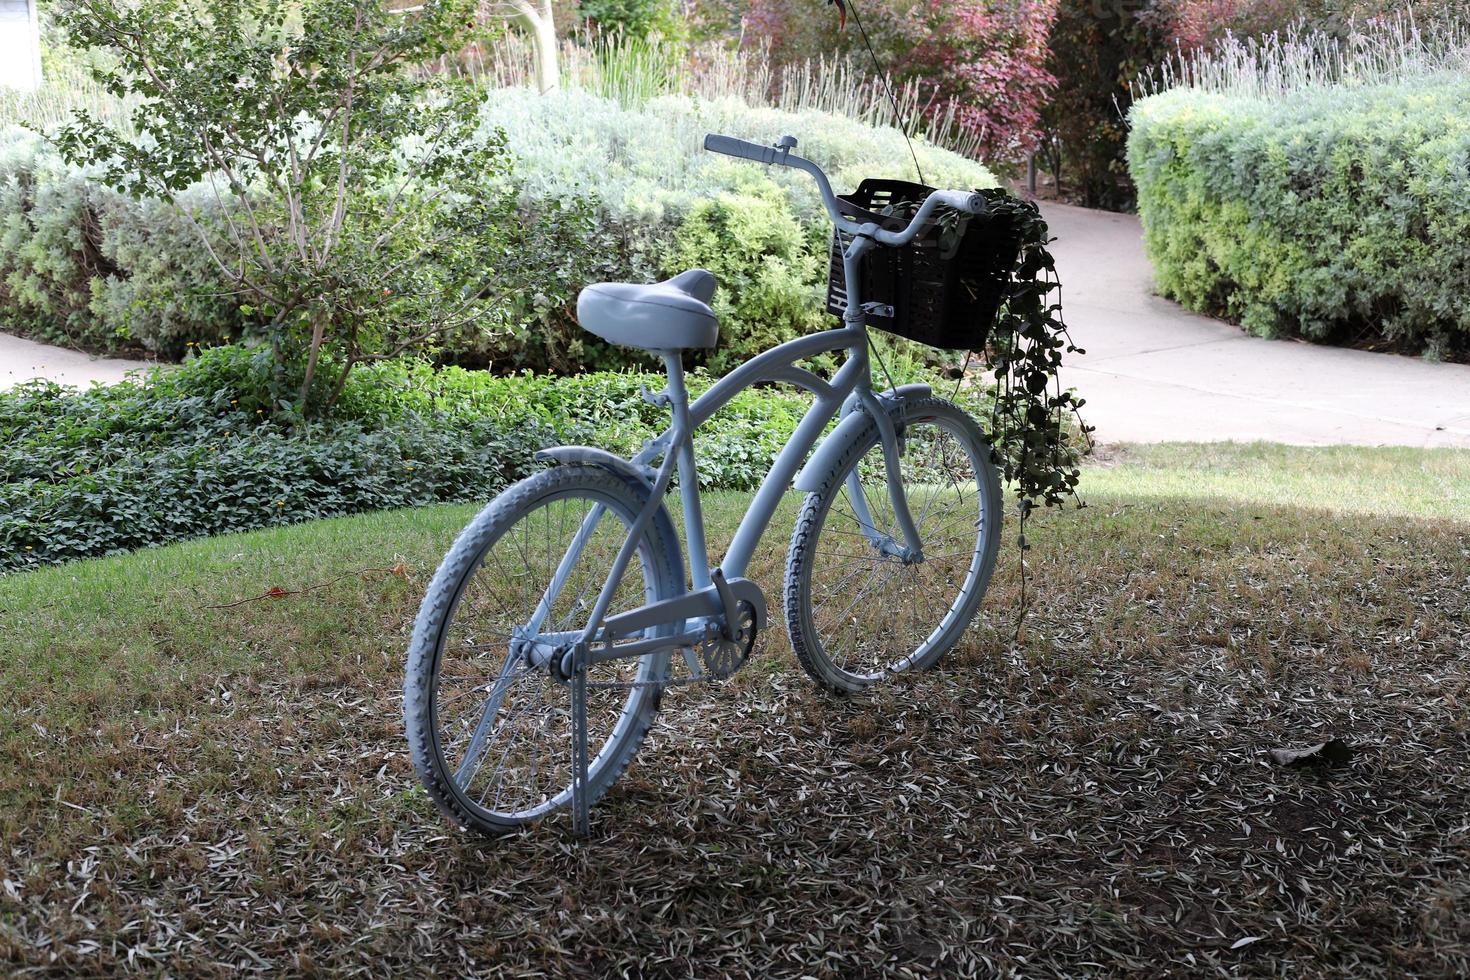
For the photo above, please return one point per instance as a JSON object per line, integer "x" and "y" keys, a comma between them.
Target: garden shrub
{"x": 1097, "y": 49}
{"x": 666, "y": 204}
{"x": 195, "y": 451}
{"x": 85, "y": 266}
{"x": 1335, "y": 213}
{"x": 987, "y": 56}
{"x": 632, "y": 18}
{"x": 606, "y": 192}
{"x": 769, "y": 269}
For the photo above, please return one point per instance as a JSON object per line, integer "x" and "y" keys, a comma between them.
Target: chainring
{"x": 722, "y": 657}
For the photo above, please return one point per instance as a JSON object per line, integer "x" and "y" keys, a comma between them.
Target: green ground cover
{"x": 197, "y": 789}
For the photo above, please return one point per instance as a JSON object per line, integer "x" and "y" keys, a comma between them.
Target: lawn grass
{"x": 200, "y": 790}
{"x": 1390, "y": 480}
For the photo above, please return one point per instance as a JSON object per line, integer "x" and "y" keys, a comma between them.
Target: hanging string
{"x": 883, "y": 77}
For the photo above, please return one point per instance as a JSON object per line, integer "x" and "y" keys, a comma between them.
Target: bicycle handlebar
{"x": 730, "y": 146}
{"x": 781, "y": 155}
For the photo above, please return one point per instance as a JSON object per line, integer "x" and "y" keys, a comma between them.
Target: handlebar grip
{"x": 730, "y": 146}
{"x": 962, "y": 201}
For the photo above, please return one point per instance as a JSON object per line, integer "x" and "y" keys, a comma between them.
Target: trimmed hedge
{"x": 1337, "y": 214}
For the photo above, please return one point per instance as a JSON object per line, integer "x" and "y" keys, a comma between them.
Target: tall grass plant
{"x": 635, "y": 70}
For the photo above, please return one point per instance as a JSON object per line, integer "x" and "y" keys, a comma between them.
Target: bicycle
{"x": 542, "y": 648}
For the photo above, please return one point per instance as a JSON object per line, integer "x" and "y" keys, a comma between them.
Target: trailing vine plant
{"x": 1037, "y": 433}
{"x": 1036, "y": 427}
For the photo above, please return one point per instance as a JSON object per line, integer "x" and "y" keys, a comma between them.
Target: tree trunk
{"x": 318, "y": 333}
{"x": 543, "y": 34}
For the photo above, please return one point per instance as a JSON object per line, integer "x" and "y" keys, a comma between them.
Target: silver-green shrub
{"x": 83, "y": 265}
{"x": 1335, "y": 212}
{"x": 611, "y": 192}
{"x": 665, "y": 204}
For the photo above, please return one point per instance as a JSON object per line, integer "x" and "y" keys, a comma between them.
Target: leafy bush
{"x": 1097, "y": 49}
{"x": 605, "y": 409}
{"x": 1197, "y": 24}
{"x": 195, "y": 451}
{"x": 137, "y": 464}
{"x": 769, "y": 270}
{"x": 666, "y": 204}
{"x": 360, "y": 213}
{"x": 632, "y": 18}
{"x": 83, "y": 265}
{"x": 648, "y": 166}
{"x": 1099, "y": 52}
{"x": 1336, "y": 213}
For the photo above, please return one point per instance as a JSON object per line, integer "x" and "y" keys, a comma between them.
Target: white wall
{"x": 20, "y": 46}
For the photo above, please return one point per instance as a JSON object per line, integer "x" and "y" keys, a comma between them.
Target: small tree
{"x": 357, "y": 209}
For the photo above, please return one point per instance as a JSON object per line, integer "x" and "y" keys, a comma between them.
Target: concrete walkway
{"x": 1155, "y": 372}
{"x": 22, "y": 360}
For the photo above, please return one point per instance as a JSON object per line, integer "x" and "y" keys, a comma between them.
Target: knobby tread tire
{"x": 811, "y": 519}
{"x": 443, "y": 594}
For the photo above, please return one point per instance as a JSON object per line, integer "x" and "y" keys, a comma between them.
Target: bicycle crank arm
{"x": 599, "y": 653}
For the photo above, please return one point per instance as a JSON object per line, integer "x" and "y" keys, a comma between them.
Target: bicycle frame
{"x": 850, "y": 387}
{"x": 717, "y": 607}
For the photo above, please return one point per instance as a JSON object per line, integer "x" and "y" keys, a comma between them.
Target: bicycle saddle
{"x": 669, "y": 315}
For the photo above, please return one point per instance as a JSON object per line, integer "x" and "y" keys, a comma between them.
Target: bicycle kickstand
{"x": 580, "y": 818}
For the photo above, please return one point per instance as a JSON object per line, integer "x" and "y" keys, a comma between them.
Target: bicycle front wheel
{"x": 856, "y": 610}
{"x": 489, "y": 727}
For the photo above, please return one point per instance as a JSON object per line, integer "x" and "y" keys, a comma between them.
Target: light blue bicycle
{"x": 563, "y": 611}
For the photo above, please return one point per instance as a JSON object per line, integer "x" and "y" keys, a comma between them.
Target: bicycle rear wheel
{"x": 857, "y": 613}
{"x": 489, "y": 728}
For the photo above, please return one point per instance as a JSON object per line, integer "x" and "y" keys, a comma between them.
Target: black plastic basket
{"x": 943, "y": 300}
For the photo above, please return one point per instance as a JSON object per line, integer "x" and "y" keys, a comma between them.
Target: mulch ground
{"x": 1097, "y": 799}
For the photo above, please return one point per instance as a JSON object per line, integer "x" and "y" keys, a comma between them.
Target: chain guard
{"x": 722, "y": 657}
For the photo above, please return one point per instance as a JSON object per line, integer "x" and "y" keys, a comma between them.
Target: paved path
{"x": 1155, "y": 372}
{"x": 22, "y": 360}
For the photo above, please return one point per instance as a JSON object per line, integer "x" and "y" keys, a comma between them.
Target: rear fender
{"x": 638, "y": 478}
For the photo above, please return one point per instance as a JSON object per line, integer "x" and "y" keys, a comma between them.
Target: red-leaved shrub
{"x": 987, "y": 56}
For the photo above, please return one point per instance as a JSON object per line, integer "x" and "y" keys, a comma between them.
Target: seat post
{"x": 683, "y": 446}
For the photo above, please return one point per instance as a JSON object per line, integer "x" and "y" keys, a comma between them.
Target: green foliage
{"x": 196, "y": 451}
{"x": 633, "y": 18}
{"x": 1032, "y": 418}
{"x": 665, "y": 204}
{"x": 85, "y": 266}
{"x": 137, "y": 464}
{"x": 359, "y": 205}
{"x": 605, "y": 409}
{"x": 1096, "y": 50}
{"x": 771, "y": 272}
{"x": 1337, "y": 214}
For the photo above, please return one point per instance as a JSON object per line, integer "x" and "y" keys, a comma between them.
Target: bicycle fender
{"x": 854, "y": 421}
{"x": 640, "y": 476}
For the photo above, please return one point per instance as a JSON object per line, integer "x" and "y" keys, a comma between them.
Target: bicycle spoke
{"x": 873, "y": 614}
{"x": 501, "y": 719}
